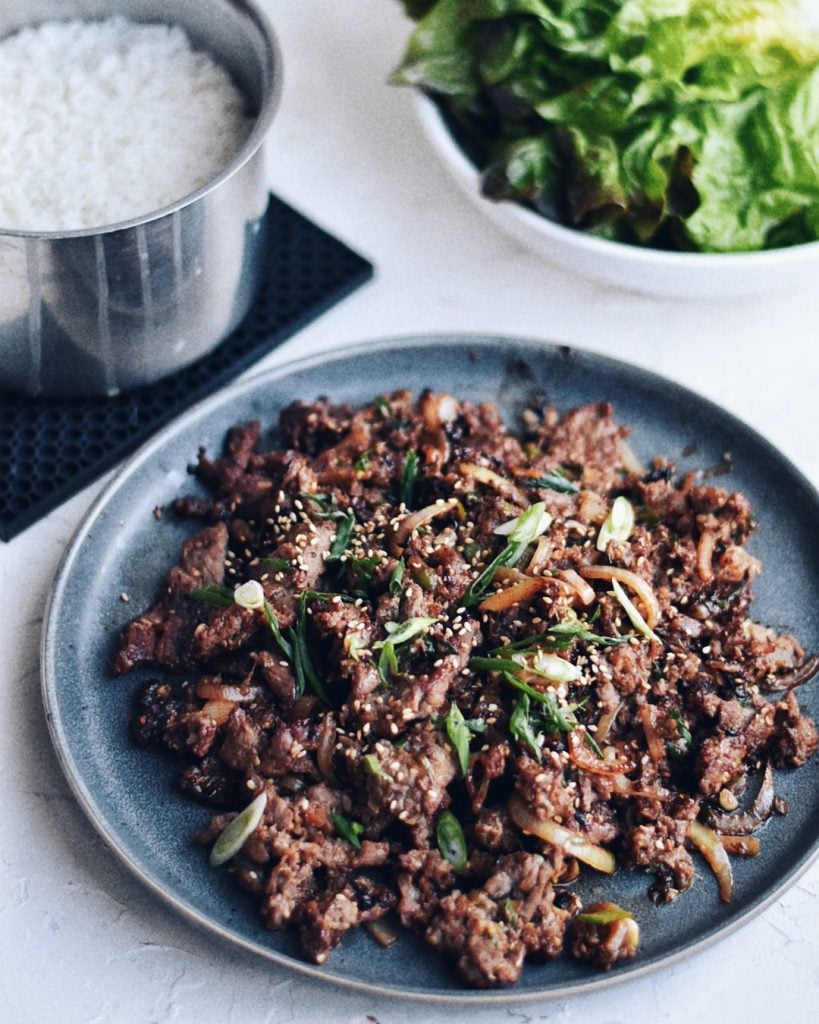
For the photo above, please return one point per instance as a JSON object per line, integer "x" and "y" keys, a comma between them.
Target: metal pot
{"x": 96, "y": 312}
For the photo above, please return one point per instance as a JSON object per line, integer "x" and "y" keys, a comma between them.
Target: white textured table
{"x": 80, "y": 940}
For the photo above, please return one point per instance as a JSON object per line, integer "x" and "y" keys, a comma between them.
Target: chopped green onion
{"x": 353, "y": 645}
{"x": 635, "y": 617}
{"x": 538, "y": 525}
{"x": 451, "y": 840}
{"x": 577, "y": 631}
{"x": 362, "y": 571}
{"x": 382, "y": 405}
{"x": 409, "y": 476}
{"x": 387, "y": 663}
{"x": 273, "y": 623}
{"x": 236, "y": 834}
{"x": 459, "y": 731}
{"x": 509, "y": 911}
{"x": 345, "y": 522}
{"x": 554, "y": 480}
{"x": 523, "y": 531}
{"x": 398, "y": 634}
{"x": 302, "y": 665}
{"x": 592, "y": 744}
{"x": 249, "y": 595}
{"x": 618, "y": 524}
{"x": 683, "y": 745}
{"x": 278, "y": 564}
{"x": 371, "y": 765}
{"x": 349, "y": 830}
{"x": 397, "y": 578}
{"x": 549, "y": 666}
{"x": 220, "y": 596}
{"x": 521, "y": 728}
{"x": 363, "y": 460}
{"x": 611, "y": 914}
{"x": 326, "y": 505}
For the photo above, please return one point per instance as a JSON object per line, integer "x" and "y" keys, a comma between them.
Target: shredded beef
{"x": 398, "y": 631}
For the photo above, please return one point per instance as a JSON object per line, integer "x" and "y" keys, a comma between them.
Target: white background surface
{"x": 81, "y": 942}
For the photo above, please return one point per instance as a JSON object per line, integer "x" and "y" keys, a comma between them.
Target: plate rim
{"x": 108, "y": 833}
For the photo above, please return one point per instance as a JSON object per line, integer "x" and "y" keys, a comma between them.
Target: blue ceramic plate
{"x": 129, "y": 794}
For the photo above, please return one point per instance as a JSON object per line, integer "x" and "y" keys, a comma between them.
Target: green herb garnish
{"x": 592, "y": 744}
{"x": 521, "y": 727}
{"x": 371, "y": 765}
{"x": 326, "y": 505}
{"x": 528, "y": 527}
{"x": 238, "y": 831}
{"x": 383, "y": 406}
{"x": 363, "y": 460}
{"x": 554, "y": 480}
{"x": 222, "y": 597}
{"x": 398, "y": 634}
{"x": 278, "y": 564}
{"x": 681, "y": 747}
{"x": 362, "y": 570}
{"x": 273, "y": 623}
{"x": 609, "y": 915}
{"x": 349, "y": 830}
{"x": 397, "y": 578}
{"x": 451, "y": 840}
{"x": 345, "y": 521}
{"x": 409, "y": 476}
{"x": 460, "y": 730}
{"x": 302, "y": 665}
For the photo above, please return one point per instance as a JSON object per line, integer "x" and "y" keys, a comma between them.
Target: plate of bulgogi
{"x": 451, "y": 667}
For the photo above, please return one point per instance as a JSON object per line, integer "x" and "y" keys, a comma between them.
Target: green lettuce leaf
{"x": 689, "y": 124}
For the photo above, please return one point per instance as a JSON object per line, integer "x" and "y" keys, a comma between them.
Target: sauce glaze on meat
{"x": 525, "y": 692}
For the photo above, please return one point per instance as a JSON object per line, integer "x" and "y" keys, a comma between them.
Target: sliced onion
{"x": 634, "y": 617}
{"x": 325, "y": 747}
{"x": 741, "y": 846}
{"x": 234, "y": 837}
{"x": 208, "y": 689}
{"x": 518, "y": 593}
{"x": 656, "y": 750}
{"x": 218, "y": 711}
{"x": 383, "y": 932}
{"x": 572, "y": 843}
{"x": 605, "y": 722}
{"x": 625, "y": 787}
{"x": 705, "y": 555}
{"x": 801, "y": 674}
{"x": 410, "y": 523}
{"x": 485, "y": 475}
{"x": 584, "y": 757}
{"x": 760, "y": 810}
{"x": 583, "y": 590}
{"x": 629, "y": 459}
{"x": 540, "y": 556}
{"x": 708, "y": 843}
{"x": 648, "y": 599}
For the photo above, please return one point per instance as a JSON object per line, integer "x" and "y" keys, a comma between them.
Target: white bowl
{"x": 650, "y": 271}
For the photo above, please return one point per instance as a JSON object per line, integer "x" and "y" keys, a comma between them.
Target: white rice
{"x": 104, "y": 121}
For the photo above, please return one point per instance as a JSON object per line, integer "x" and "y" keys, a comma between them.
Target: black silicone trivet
{"x": 52, "y": 447}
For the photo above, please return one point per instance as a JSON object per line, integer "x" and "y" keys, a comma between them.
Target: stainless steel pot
{"x": 96, "y": 312}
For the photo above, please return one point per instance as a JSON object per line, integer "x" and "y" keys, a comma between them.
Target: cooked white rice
{"x": 104, "y": 121}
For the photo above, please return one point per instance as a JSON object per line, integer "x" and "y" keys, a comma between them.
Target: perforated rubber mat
{"x": 51, "y": 447}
